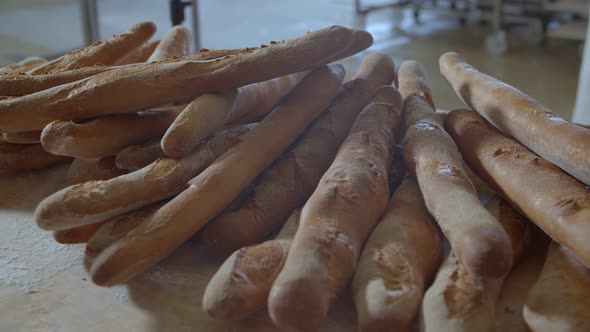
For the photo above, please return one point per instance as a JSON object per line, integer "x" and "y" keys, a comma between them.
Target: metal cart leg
{"x": 89, "y": 15}
{"x": 196, "y": 29}
{"x": 497, "y": 42}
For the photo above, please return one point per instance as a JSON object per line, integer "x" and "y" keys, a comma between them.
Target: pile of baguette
{"x": 305, "y": 184}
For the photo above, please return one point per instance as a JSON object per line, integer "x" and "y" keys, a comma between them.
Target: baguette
{"x": 461, "y": 300}
{"x": 556, "y": 202}
{"x": 146, "y": 86}
{"x": 288, "y": 182}
{"x": 76, "y": 235}
{"x": 241, "y": 285}
{"x": 398, "y": 261}
{"x": 26, "y": 157}
{"x": 83, "y": 170}
{"x": 96, "y": 201}
{"x": 139, "y": 156}
{"x": 20, "y": 84}
{"x": 142, "y": 54}
{"x": 102, "y": 52}
{"x": 28, "y": 137}
{"x": 477, "y": 239}
{"x": 560, "y": 299}
{"x": 175, "y": 43}
{"x": 349, "y": 200}
{"x": 23, "y": 65}
{"x": 212, "y": 190}
{"x": 210, "y": 112}
{"x": 116, "y": 228}
{"x": 520, "y": 116}
{"x": 105, "y": 136}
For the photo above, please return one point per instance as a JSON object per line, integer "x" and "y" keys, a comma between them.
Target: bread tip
{"x": 297, "y": 305}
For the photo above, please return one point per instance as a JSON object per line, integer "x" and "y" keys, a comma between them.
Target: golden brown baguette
{"x": 288, "y": 182}
{"x": 83, "y": 170}
{"x": 139, "y": 156}
{"x": 26, "y": 157}
{"x": 212, "y": 190}
{"x": 461, "y": 300}
{"x": 430, "y": 154}
{"x": 105, "y": 136}
{"x": 556, "y": 202}
{"x": 241, "y": 285}
{"x": 397, "y": 263}
{"x": 161, "y": 83}
{"x": 28, "y": 137}
{"x": 209, "y": 113}
{"x": 77, "y": 234}
{"x": 560, "y": 299}
{"x": 20, "y": 84}
{"x": 175, "y": 43}
{"x": 116, "y": 228}
{"x": 520, "y": 116}
{"x": 338, "y": 217}
{"x": 23, "y": 65}
{"x": 106, "y": 52}
{"x": 95, "y": 201}
{"x": 141, "y": 54}
{"x": 212, "y": 111}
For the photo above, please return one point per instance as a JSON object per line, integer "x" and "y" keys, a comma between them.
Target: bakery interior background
{"x": 548, "y": 69}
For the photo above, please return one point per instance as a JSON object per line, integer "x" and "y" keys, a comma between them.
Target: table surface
{"x": 44, "y": 286}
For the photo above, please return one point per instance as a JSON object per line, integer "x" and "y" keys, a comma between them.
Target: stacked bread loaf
{"x": 235, "y": 145}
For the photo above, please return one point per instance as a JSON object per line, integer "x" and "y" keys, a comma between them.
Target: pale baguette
{"x": 215, "y": 188}
{"x": 212, "y": 111}
{"x": 23, "y": 65}
{"x": 106, "y": 52}
{"x": 520, "y": 116}
{"x": 397, "y": 263}
{"x": 96, "y": 201}
{"x": 241, "y": 285}
{"x": 460, "y": 300}
{"x": 26, "y": 157}
{"x": 289, "y": 181}
{"x": 560, "y": 299}
{"x": 28, "y": 137}
{"x": 146, "y": 86}
{"x": 141, "y": 54}
{"x": 430, "y": 154}
{"x": 175, "y": 43}
{"x": 105, "y": 136}
{"x": 556, "y": 202}
{"x": 83, "y": 170}
{"x": 139, "y": 156}
{"x": 338, "y": 217}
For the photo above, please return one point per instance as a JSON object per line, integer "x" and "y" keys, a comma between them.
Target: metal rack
{"x": 501, "y": 15}
{"x": 90, "y": 22}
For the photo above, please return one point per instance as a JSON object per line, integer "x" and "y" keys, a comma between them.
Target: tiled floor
{"x": 549, "y": 72}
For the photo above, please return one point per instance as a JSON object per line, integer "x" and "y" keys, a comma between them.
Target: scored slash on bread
{"x": 462, "y": 300}
{"x": 397, "y": 263}
{"x": 549, "y": 197}
{"x": 290, "y": 180}
{"x": 477, "y": 239}
{"x": 241, "y": 285}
